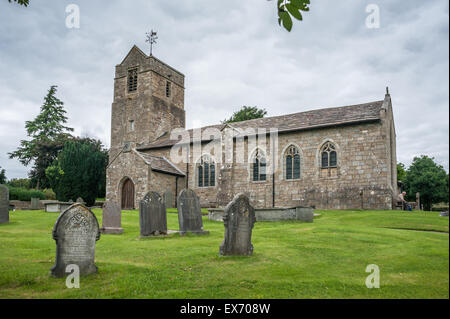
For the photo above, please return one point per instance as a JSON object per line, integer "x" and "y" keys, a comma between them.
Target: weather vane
{"x": 151, "y": 38}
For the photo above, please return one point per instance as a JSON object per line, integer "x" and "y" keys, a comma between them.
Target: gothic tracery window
{"x": 292, "y": 160}
{"x": 259, "y": 166}
{"x": 328, "y": 155}
{"x": 206, "y": 172}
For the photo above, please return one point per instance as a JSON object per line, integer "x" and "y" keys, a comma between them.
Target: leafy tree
{"x": 20, "y": 183}
{"x": 429, "y": 179}
{"x": 288, "y": 9}
{"x": 401, "y": 172}
{"x": 246, "y": 113}
{"x": 22, "y": 2}
{"x": 2, "y": 176}
{"x": 48, "y": 135}
{"x": 79, "y": 170}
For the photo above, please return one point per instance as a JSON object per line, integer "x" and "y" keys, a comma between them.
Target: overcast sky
{"x": 232, "y": 53}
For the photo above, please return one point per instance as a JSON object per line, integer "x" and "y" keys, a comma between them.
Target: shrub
{"x": 49, "y": 193}
{"x": 17, "y": 193}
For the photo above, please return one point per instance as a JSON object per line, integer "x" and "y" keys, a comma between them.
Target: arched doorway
{"x": 128, "y": 194}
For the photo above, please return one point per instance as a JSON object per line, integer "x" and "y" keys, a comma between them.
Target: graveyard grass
{"x": 325, "y": 259}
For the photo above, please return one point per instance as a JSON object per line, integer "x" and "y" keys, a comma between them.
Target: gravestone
{"x": 190, "y": 213}
{"x": 305, "y": 214}
{"x": 35, "y": 203}
{"x": 75, "y": 232}
{"x": 152, "y": 215}
{"x": 168, "y": 199}
{"x": 112, "y": 223}
{"x": 4, "y": 204}
{"x": 239, "y": 219}
{"x": 80, "y": 200}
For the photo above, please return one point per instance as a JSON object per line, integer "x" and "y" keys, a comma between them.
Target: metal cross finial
{"x": 151, "y": 38}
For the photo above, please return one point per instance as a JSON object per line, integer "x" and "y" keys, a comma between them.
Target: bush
{"x": 17, "y": 193}
{"x": 49, "y": 193}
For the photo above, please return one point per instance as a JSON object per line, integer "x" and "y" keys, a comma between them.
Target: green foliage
{"x": 401, "y": 172}
{"x": 49, "y": 193}
{"x": 288, "y": 9}
{"x": 246, "y": 113}
{"x": 2, "y": 176}
{"x": 22, "y": 2}
{"x": 48, "y": 135}
{"x": 429, "y": 179}
{"x": 17, "y": 193}
{"x": 79, "y": 171}
{"x": 20, "y": 182}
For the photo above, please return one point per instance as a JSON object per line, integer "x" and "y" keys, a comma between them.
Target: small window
{"x": 292, "y": 158}
{"x": 206, "y": 172}
{"x": 168, "y": 89}
{"x": 132, "y": 80}
{"x": 328, "y": 156}
{"x": 131, "y": 126}
{"x": 259, "y": 167}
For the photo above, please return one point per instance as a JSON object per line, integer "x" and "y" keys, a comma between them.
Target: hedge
{"x": 17, "y": 193}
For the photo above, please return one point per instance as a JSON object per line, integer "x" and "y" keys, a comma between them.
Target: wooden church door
{"x": 128, "y": 194}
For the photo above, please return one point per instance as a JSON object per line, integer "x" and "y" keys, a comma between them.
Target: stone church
{"x": 331, "y": 158}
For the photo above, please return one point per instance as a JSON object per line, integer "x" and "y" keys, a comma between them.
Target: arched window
{"x": 328, "y": 155}
{"x": 292, "y": 160}
{"x": 259, "y": 166}
{"x": 206, "y": 172}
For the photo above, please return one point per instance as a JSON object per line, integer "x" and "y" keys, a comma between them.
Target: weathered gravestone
{"x": 4, "y": 204}
{"x": 80, "y": 200}
{"x": 75, "y": 232}
{"x": 35, "y": 203}
{"x": 152, "y": 215}
{"x": 168, "y": 199}
{"x": 190, "y": 213}
{"x": 239, "y": 219}
{"x": 112, "y": 223}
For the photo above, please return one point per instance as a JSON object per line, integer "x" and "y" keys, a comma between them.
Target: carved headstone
{"x": 190, "y": 213}
{"x": 152, "y": 215}
{"x": 239, "y": 219}
{"x": 4, "y": 204}
{"x": 34, "y": 203}
{"x": 75, "y": 232}
{"x": 112, "y": 215}
{"x": 168, "y": 199}
{"x": 80, "y": 200}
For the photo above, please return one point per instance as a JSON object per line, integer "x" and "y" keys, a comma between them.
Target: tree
{"x": 401, "y": 172}
{"x": 288, "y": 9}
{"x": 2, "y": 176}
{"x": 429, "y": 179}
{"x": 22, "y": 2}
{"x": 48, "y": 135}
{"x": 246, "y": 113}
{"x": 79, "y": 170}
{"x": 20, "y": 183}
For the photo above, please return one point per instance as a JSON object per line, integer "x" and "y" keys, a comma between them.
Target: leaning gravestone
{"x": 190, "y": 213}
{"x": 152, "y": 215}
{"x": 34, "y": 203}
{"x": 4, "y": 204}
{"x": 239, "y": 219}
{"x": 168, "y": 199}
{"x": 111, "y": 218}
{"x": 75, "y": 232}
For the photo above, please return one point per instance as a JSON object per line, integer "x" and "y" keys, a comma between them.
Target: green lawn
{"x": 326, "y": 259}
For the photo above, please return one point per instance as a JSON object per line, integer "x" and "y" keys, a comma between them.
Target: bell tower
{"x": 148, "y": 101}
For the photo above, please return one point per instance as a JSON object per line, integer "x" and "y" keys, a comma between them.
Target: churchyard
{"x": 291, "y": 259}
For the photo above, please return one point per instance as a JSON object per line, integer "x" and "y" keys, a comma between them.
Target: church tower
{"x": 148, "y": 103}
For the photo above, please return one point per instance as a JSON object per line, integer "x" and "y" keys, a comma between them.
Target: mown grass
{"x": 325, "y": 259}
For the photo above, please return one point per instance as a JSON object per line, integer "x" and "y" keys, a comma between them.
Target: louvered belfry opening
{"x": 128, "y": 194}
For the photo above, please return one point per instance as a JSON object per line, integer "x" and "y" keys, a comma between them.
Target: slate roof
{"x": 160, "y": 164}
{"x": 321, "y": 118}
